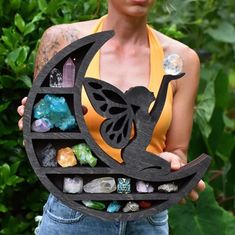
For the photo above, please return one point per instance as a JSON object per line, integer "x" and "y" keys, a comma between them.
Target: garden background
{"x": 208, "y": 26}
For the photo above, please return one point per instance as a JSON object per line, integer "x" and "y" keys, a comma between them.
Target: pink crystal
{"x": 68, "y": 73}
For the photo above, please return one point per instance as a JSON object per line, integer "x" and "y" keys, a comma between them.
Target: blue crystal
{"x": 124, "y": 185}
{"x": 113, "y": 207}
{"x": 56, "y": 110}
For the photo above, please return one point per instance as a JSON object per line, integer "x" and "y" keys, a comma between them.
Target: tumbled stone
{"x": 84, "y": 155}
{"x": 171, "y": 187}
{"x": 55, "y": 78}
{"x": 143, "y": 187}
{"x": 56, "y": 110}
{"x": 124, "y": 185}
{"x": 73, "y": 185}
{"x": 101, "y": 185}
{"x": 94, "y": 205}
{"x": 65, "y": 157}
{"x": 41, "y": 125}
{"x": 131, "y": 206}
{"x": 47, "y": 156}
{"x": 173, "y": 64}
{"x": 113, "y": 207}
{"x": 145, "y": 204}
{"x": 68, "y": 73}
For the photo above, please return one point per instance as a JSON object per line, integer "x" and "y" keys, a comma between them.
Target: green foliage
{"x": 205, "y": 25}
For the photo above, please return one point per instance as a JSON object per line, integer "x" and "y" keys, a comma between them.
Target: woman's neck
{"x": 128, "y": 29}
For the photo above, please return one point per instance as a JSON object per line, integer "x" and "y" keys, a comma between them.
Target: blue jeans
{"x": 58, "y": 219}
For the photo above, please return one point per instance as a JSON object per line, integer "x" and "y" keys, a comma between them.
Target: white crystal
{"x": 131, "y": 206}
{"x": 168, "y": 188}
{"x": 101, "y": 185}
{"x": 173, "y": 64}
{"x": 143, "y": 187}
{"x": 68, "y": 73}
{"x": 56, "y": 78}
{"x": 73, "y": 185}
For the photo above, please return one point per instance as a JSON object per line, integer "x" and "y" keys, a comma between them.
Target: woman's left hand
{"x": 176, "y": 163}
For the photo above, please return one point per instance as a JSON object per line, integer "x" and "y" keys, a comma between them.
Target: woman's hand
{"x": 20, "y": 111}
{"x": 176, "y": 163}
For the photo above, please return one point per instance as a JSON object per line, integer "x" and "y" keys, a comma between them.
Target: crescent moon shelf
{"x": 139, "y": 187}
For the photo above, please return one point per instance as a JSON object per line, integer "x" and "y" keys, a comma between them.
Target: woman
{"x": 130, "y": 50}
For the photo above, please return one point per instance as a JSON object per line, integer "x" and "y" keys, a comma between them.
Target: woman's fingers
{"x": 20, "y": 110}
{"x": 84, "y": 109}
{"x": 201, "y": 186}
{"x": 20, "y": 124}
{"x": 193, "y": 195}
{"x": 23, "y": 101}
{"x": 173, "y": 159}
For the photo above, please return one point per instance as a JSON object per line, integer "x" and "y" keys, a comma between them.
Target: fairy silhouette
{"x": 125, "y": 110}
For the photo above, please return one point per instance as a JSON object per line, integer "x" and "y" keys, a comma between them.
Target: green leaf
{"x": 19, "y": 22}
{"x": 4, "y": 106}
{"x": 42, "y": 5}
{"x": 3, "y": 208}
{"x": 29, "y": 28}
{"x": 26, "y": 80}
{"x": 4, "y": 173}
{"x": 225, "y": 32}
{"x": 205, "y": 217}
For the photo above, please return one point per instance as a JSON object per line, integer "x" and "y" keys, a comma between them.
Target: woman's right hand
{"x": 20, "y": 111}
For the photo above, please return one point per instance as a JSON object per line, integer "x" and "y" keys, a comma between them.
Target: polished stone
{"x": 66, "y": 158}
{"x": 84, "y": 155}
{"x": 94, "y": 205}
{"x": 131, "y": 206}
{"x": 47, "y": 156}
{"x": 73, "y": 185}
{"x": 114, "y": 207}
{"x": 124, "y": 185}
{"x": 143, "y": 187}
{"x": 41, "y": 125}
{"x": 173, "y": 64}
{"x": 101, "y": 185}
{"x": 171, "y": 187}
{"x": 68, "y": 73}
{"x": 145, "y": 204}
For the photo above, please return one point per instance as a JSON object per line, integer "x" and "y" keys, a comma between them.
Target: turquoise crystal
{"x": 56, "y": 110}
{"x": 124, "y": 185}
{"x": 94, "y": 205}
{"x": 113, "y": 207}
{"x": 84, "y": 155}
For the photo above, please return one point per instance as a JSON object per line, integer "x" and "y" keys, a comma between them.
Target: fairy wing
{"x": 110, "y": 102}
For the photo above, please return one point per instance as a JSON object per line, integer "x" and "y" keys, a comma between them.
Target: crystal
{"x": 68, "y": 73}
{"x": 47, "y": 156}
{"x": 101, "y": 185}
{"x": 73, "y": 185}
{"x": 41, "y": 125}
{"x": 84, "y": 155}
{"x": 145, "y": 204}
{"x": 65, "y": 157}
{"x": 94, "y": 205}
{"x": 173, "y": 64}
{"x": 113, "y": 207}
{"x": 124, "y": 185}
{"x": 171, "y": 187}
{"x": 143, "y": 187}
{"x": 131, "y": 206}
{"x": 56, "y": 110}
{"x": 56, "y": 78}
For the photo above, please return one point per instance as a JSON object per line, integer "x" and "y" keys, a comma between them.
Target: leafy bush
{"x": 205, "y": 25}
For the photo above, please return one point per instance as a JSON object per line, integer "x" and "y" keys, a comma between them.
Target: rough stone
{"x": 73, "y": 185}
{"x": 47, "y": 156}
{"x": 66, "y": 158}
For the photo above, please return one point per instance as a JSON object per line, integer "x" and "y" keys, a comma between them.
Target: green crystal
{"x": 84, "y": 155}
{"x": 94, "y": 205}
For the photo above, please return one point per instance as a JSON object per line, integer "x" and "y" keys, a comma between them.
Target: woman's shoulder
{"x": 69, "y": 32}
{"x": 172, "y": 46}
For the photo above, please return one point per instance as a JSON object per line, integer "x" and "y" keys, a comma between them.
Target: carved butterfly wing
{"x": 110, "y": 102}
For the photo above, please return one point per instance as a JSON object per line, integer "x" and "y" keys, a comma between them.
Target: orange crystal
{"x": 65, "y": 157}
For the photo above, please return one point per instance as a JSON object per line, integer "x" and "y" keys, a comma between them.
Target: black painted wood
{"x": 121, "y": 111}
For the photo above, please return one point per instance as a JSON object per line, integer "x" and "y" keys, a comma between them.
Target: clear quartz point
{"x": 173, "y": 64}
{"x": 68, "y": 73}
{"x": 56, "y": 78}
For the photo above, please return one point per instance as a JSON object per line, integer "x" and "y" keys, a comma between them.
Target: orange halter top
{"x": 94, "y": 120}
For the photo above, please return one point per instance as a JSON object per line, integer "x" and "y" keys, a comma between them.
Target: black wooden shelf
{"x": 79, "y": 170}
{"x": 120, "y": 197}
{"x": 56, "y": 90}
{"x": 57, "y": 135}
